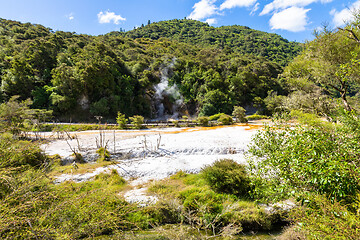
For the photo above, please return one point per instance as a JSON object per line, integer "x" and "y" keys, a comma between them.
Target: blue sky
{"x": 293, "y": 19}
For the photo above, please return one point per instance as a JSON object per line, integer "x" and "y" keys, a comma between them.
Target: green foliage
{"x": 225, "y": 119}
{"x": 79, "y": 76}
{"x": 274, "y": 103}
{"x": 221, "y": 213}
{"x": 256, "y": 117}
{"x": 13, "y": 115}
{"x": 121, "y": 120}
{"x": 39, "y": 209}
{"x": 215, "y": 117}
{"x": 203, "y": 121}
{"x": 137, "y": 121}
{"x": 15, "y": 158}
{"x": 104, "y": 154}
{"x": 227, "y": 176}
{"x": 303, "y": 159}
{"x": 229, "y": 38}
{"x": 329, "y": 61}
{"x": 18, "y": 154}
{"x": 325, "y": 219}
{"x": 239, "y": 114}
{"x": 112, "y": 178}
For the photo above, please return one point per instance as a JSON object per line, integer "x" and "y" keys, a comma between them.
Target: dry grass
{"x": 80, "y": 169}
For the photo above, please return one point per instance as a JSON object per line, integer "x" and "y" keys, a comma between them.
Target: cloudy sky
{"x": 293, "y": 19}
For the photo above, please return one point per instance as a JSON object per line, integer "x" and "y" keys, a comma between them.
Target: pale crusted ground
{"x": 155, "y": 154}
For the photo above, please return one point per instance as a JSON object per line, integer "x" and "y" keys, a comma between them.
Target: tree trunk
{"x": 345, "y": 102}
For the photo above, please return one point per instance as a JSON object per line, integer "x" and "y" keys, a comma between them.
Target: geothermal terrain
{"x": 144, "y": 155}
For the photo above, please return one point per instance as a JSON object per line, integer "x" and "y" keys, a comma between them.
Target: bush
{"x": 215, "y": 117}
{"x": 104, "y": 154}
{"x": 15, "y": 154}
{"x": 256, "y": 117}
{"x": 239, "y": 114}
{"x": 321, "y": 218}
{"x": 225, "y": 119}
{"x": 300, "y": 160}
{"x": 137, "y": 121}
{"x": 203, "y": 121}
{"x": 121, "y": 120}
{"x": 227, "y": 176}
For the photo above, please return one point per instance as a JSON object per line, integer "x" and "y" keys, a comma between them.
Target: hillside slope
{"x": 235, "y": 38}
{"x": 82, "y": 76}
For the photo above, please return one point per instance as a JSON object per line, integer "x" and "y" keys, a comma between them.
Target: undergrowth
{"x": 209, "y": 208}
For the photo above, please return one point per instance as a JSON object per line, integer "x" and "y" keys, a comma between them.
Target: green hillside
{"x": 235, "y": 38}
{"x": 82, "y": 76}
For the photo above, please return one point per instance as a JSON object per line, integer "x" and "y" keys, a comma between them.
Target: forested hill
{"x": 81, "y": 76}
{"x": 235, "y": 38}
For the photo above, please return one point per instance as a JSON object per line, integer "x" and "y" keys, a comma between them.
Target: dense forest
{"x": 239, "y": 39}
{"x": 82, "y": 76}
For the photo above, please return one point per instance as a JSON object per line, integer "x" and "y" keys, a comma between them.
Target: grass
{"x": 208, "y": 210}
{"x": 58, "y": 169}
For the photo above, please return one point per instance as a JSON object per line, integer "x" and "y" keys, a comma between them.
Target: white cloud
{"x": 203, "y": 9}
{"x": 211, "y": 21}
{"x": 108, "y": 17}
{"x": 292, "y": 19}
{"x": 346, "y": 15}
{"x": 70, "y": 16}
{"x": 228, "y": 4}
{"x": 283, "y": 4}
{"x": 255, "y": 8}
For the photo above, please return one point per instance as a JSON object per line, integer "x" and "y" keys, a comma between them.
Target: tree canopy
{"x": 80, "y": 76}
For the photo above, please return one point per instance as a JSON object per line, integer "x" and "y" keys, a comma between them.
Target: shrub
{"x": 215, "y": 116}
{"x": 111, "y": 178}
{"x": 304, "y": 159}
{"x": 227, "y": 176}
{"x": 14, "y": 153}
{"x": 121, "y": 120}
{"x": 239, "y": 114}
{"x": 204, "y": 202}
{"x": 256, "y": 117}
{"x": 225, "y": 119}
{"x": 203, "y": 121}
{"x": 322, "y": 218}
{"x": 104, "y": 154}
{"x": 137, "y": 121}
{"x": 78, "y": 157}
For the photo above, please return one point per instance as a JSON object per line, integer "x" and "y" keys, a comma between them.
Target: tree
{"x": 331, "y": 61}
{"x": 16, "y": 116}
{"x": 239, "y": 114}
{"x": 121, "y": 120}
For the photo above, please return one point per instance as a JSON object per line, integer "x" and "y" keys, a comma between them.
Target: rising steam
{"x": 168, "y": 99}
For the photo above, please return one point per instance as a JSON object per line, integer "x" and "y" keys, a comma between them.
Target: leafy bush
{"x": 239, "y": 114}
{"x": 227, "y": 176}
{"x": 203, "y": 121}
{"x": 322, "y": 218}
{"x": 256, "y": 117}
{"x": 225, "y": 119}
{"x": 19, "y": 154}
{"x": 215, "y": 117}
{"x": 121, "y": 120}
{"x": 104, "y": 154}
{"x": 316, "y": 158}
{"x": 137, "y": 121}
